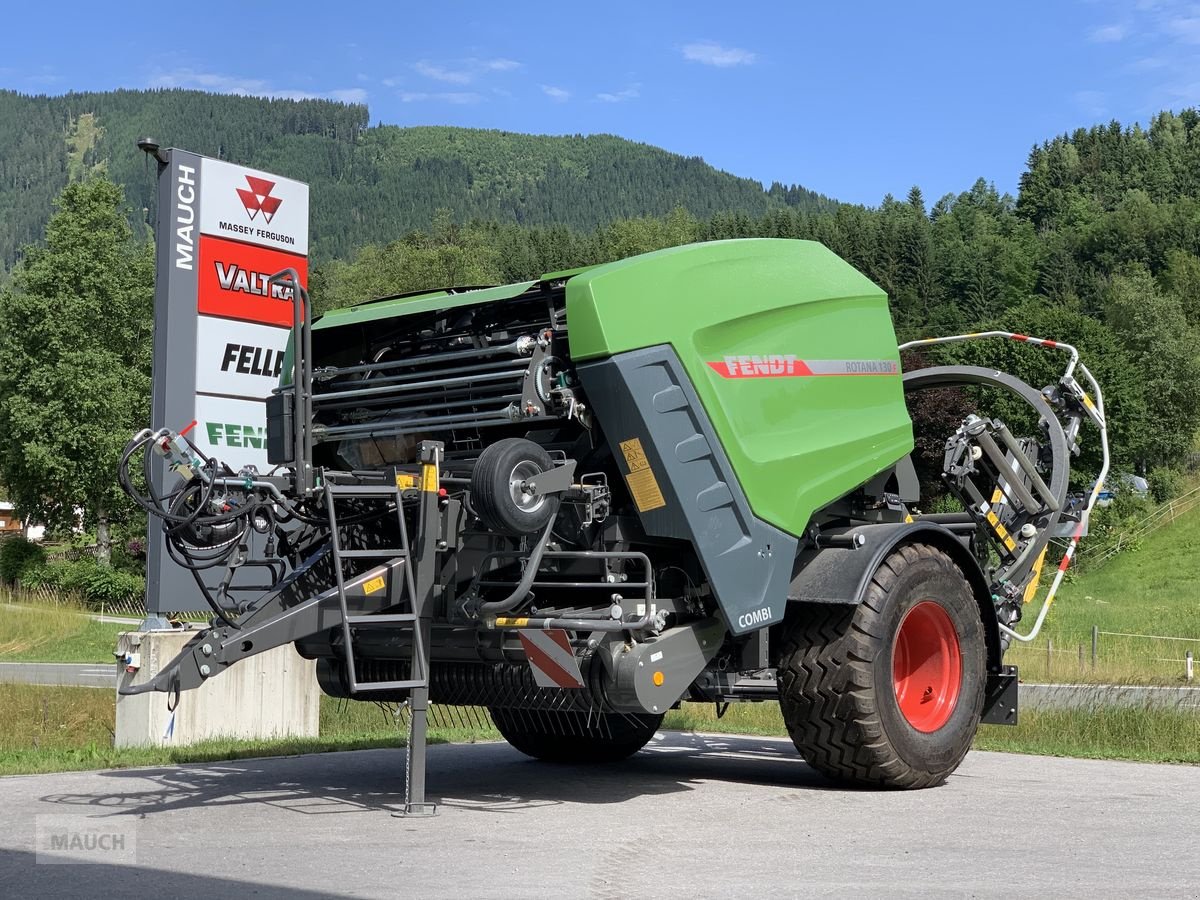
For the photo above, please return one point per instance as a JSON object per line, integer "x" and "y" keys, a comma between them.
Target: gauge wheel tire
{"x": 496, "y": 493}
{"x": 888, "y": 693}
{"x": 571, "y": 737}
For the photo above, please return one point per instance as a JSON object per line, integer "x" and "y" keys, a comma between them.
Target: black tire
{"x": 572, "y": 737}
{"x": 495, "y": 493}
{"x": 836, "y": 679}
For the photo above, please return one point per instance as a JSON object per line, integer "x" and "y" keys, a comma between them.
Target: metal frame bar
{"x": 1095, "y": 412}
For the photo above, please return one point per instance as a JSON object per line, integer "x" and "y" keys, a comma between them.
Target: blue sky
{"x": 851, "y": 99}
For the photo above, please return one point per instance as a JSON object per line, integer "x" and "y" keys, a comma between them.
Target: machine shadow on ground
{"x": 488, "y": 777}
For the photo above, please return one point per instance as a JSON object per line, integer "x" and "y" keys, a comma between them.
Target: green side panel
{"x": 407, "y": 306}
{"x": 784, "y": 343}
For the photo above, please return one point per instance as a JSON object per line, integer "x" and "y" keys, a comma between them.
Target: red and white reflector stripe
{"x": 551, "y": 657}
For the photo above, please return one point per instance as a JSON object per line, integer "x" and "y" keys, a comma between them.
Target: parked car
{"x": 1133, "y": 484}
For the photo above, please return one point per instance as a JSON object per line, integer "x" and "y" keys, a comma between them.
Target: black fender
{"x": 842, "y": 574}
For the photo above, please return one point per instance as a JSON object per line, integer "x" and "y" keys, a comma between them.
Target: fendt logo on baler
{"x": 778, "y": 365}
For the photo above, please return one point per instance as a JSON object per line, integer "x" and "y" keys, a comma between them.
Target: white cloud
{"x": 1147, "y": 64}
{"x": 1107, "y": 34}
{"x": 441, "y": 73}
{"x": 211, "y": 81}
{"x": 348, "y": 95}
{"x": 1186, "y": 28}
{"x": 1166, "y": 33}
{"x": 501, "y": 65}
{"x": 456, "y": 97}
{"x": 1093, "y": 103}
{"x": 630, "y": 93}
{"x": 463, "y": 71}
{"x": 710, "y": 53}
{"x": 556, "y": 94}
{"x": 252, "y": 87}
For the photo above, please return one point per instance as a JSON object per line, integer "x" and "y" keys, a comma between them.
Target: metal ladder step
{"x": 362, "y": 490}
{"x": 333, "y": 493}
{"x": 382, "y": 619}
{"x": 363, "y": 686}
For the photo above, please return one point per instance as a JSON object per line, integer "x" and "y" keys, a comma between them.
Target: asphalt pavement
{"x": 692, "y": 816}
{"x": 99, "y": 675}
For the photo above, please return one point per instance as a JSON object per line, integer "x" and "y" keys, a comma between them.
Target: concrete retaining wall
{"x": 271, "y": 695}
{"x": 1101, "y": 696}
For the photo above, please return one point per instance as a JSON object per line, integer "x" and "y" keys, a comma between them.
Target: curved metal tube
{"x": 521, "y": 591}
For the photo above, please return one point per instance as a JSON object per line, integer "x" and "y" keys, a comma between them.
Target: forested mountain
{"x": 369, "y": 183}
{"x": 1101, "y": 249}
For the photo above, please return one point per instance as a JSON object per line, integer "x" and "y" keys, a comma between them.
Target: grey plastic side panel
{"x": 647, "y": 394}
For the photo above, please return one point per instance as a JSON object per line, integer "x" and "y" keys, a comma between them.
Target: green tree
{"x": 1099, "y": 348}
{"x": 1155, "y": 332}
{"x": 75, "y": 344}
{"x": 448, "y": 256}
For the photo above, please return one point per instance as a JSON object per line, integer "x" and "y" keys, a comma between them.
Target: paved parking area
{"x": 693, "y": 815}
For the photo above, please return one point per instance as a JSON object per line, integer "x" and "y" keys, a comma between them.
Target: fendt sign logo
{"x": 258, "y": 199}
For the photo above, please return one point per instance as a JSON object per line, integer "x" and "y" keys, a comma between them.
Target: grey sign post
{"x": 219, "y": 334}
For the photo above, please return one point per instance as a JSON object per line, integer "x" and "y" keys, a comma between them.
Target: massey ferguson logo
{"x": 258, "y": 199}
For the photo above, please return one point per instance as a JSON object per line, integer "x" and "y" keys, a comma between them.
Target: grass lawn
{"x": 62, "y": 729}
{"x": 58, "y": 729}
{"x": 50, "y": 633}
{"x": 1133, "y": 734}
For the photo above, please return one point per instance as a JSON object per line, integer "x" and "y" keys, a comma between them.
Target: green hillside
{"x": 1149, "y": 590}
{"x": 370, "y": 184}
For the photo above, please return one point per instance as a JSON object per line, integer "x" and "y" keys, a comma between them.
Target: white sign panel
{"x": 256, "y": 207}
{"x": 243, "y": 359}
{"x": 234, "y": 431}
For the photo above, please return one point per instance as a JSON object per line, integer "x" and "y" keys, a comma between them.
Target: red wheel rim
{"x": 927, "y": 666}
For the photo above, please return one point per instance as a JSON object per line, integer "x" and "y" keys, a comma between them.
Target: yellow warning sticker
{"x": 375, "y": 585}
{"x": 429, "y": 478}
{"x": 1001, "y": 531}
{"x": 507, "y": 622}
{"x": 1035, "y": 578}
{"x": 404, "y": 480}
{"x": 642, "y": 483}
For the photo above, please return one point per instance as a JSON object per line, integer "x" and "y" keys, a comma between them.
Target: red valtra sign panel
{"x": 233, "y": 281}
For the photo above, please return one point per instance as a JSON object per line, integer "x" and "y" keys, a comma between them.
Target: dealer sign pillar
{"x": 220, "y": 329}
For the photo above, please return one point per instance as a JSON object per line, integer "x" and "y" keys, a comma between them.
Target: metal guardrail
{"x": 1160, "y": 517}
